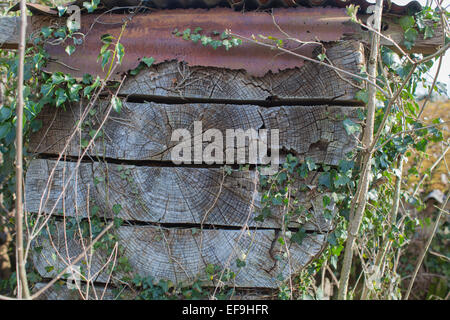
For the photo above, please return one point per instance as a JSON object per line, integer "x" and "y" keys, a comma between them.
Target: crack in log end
{"x": 318, "y": 146}
{"x": 142, "y": 133}
{"x": 167, "y": 195}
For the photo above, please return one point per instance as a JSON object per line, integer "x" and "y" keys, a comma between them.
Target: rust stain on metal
{"x": 151, "y": 35}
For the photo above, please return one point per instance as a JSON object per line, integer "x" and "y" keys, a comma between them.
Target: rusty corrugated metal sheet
{"x": 389, "y": 6}
{"x": 151, "y": 35}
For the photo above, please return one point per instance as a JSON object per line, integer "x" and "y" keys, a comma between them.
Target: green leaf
{"x": 351, "y": 127}
{"x": 91, "y": 6}
{"x": 5, "y": 113}
{"x": 57, "y": 78}
{"x": 421, "y": 145}
{"x": 148, "y": 61}
{"x": 342, "y": 180}
{"x": 84, "y": 143}
{"x": 406, "y": 22}
{"x": 240, "y": 263}
{"x": 227, "y": 44}
{"x": 117, "y": 208}
{"x": 92, "y": 134}
{"x": 4, "y": 129}
{"x": 209, "y": 269}
{"x": 195, "y": 37}
{"x": 61, "y": 96}
{"x": 299, "y": 236}
{"x": 390, "y": 58}
{"x": 187, "y": 34}
{"x": 116, "y": 104}
{"x": 106, "y": 38}
{"x": 236, "y": 42}
{"x": 46, "y": 32}
{"x": 120, "y": 52}
{"x": 325, "y": 179}
{"x": 61, "y": 10}
{"x": 224, "y": 35}
{"x": 410, "y": 37}
{"x": 49, "y": 268}
{"x": 70, "y": 50}
{"x": 345, "y": 166}
{"x": 105, "y": 58}
{"x": 429, "y": 32}
{"x": 205, "y": 40}
{"x": 362, "y": 95}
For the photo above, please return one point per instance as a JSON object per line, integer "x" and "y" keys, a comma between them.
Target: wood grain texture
{"x": 173, "y": 79}
{"x": 167, "y": 195}
{"x": 98, "y": 292}
{"x": 95, "y": 292}
{"x": 143, "y": 131}
{"x": 181, "y": 255}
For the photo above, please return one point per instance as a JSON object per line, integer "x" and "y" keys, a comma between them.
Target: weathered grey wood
{"x": 143, "y": 131}
{"x": 172, "y": 195}
{"x": 9, "y": 31}
{"x": 10, "y": 26}
{"x": 173, "y": 79}
{"x": 180, "y": 255}
{"x": 96, "y": 292}
{"x": 62, "y": 292}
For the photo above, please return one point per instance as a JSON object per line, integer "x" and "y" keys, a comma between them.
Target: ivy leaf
{"x": 345, "y": 166}
{"x": 325, "y": 179}
{"x": 341, "y": 180}
{"x": 84, "y": 143}
{"x": 236, "y": 42}
{"x": 351, "y": 127}
{"x": 240, "y": 263}
{"x": 4, "y": 129}
{"x": 61, "y": 10}
{"x": 362, "y": 95}
{"x": 57, "y": 78}
{"x": 195, "y": 37}
{"x": 224, "y": 35}
{"x": 5, "y": 113}
{"x": 406, "y": 22}
{"x": 299, "y": 236}
{"x": 117, "y": 208}
{"x": 91, "y": 6}
{"x": 209, "y": 269}
{"x": 410, "y": 37}
{"x": 105, "y": 58}
{"x": 205, "y": 40}
{"x": 428, "y": 33}
{"x": 106, "y": 38}
{"x": 61, "y": 96}
{"x": 227, "y": 44}
{"x": 187, "y": 34}
{"x": 70, "y": 50}
{"x": 116, "y": 104}
{"x": 120, "y": 52}
{"x": 421, "y": 145}
{"x": 46, "y": 32}
{"x": 390, "y": 58}
{"x": 73, "y": 91}
{"x": 148, "y": 61}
